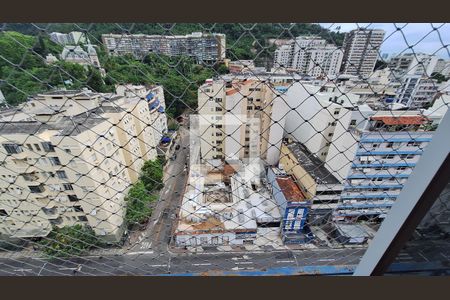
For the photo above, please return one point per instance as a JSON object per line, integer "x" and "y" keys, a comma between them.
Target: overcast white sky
{"x": 419, "y": 35}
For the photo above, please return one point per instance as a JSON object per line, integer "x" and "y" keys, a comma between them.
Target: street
{"x": 158, "y": 232}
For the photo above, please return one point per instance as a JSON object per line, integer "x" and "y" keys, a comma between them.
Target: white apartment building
{"x": 361, "y": 47}
{"x": 314, "y": 114}
{"x": 413, "y": 64}
{"x": 202, "y": 47}
{"x": 226, "y": 109}
{"x": 71, "y": 38}
{"x": 441, "y": 64}
{"x": 68, "y": 159}
{"x": 2, "y": 98}
{"x": 77, "y": 55}
{"x": 312, "y": 56}
{"x": 446, "y": 70}
{"x": 416, "y": 91}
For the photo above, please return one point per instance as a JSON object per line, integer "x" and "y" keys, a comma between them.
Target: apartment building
{"x": 309, "y": 55}
{"x": 413, "y": 64}
{"x": 244, "y": 66}
{"x": 387, "y": 151}
{"x": 446, "y": 69}
{"x": 416, "y": 91}
{"x": 441, "y": 66}
{"x": 78, "y": 55}
{"x": 203, "y": 47}
{"x": 314, "y": 113}
{"x": 71, "y": 38}
{"x": 413, "y": 71}
{"x": 230, "y": 111}
{"x": 154, "y": 95}
{"x": 361, "y": 47}
{"x": 69, "y": 158}
{"x": 2, "y": 98}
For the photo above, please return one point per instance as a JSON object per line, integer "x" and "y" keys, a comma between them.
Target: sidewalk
{"x": 38, "y": 254}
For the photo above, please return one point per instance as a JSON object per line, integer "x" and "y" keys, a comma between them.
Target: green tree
{"x": 138, "y": 202}
{"x": 69, "y": 241}
{"x": 152, "y": 174}
{"x": 40, "y": 47}
{"x": 95, "y": 81}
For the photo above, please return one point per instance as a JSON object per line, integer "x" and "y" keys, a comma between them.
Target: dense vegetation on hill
{"x": 23, "y": 47}
{"x": 244, "y": 41}
{"x": 24, "y": 73}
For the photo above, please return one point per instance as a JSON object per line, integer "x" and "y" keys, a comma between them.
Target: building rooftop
{"x": 290, "y": 189}
{"x": 312, "y": 164}
{"x": 401, "y": 120}
{"x": 65, "y": 126}
{"x": 354, "y": 230}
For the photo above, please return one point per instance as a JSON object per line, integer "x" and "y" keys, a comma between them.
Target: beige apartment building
{"x": 227, "y": 111}
{"x": 68, "y": 158}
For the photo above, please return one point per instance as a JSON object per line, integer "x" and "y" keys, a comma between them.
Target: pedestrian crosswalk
{"x": 146, "y": 245}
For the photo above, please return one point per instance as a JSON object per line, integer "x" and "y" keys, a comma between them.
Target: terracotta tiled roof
{"x": 290, "y": 189}
{"x": 401, "y": 120}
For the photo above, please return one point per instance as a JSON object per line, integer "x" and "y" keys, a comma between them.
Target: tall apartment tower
{"x": 68, "y": 157}
{"x": 312, "y": 56}
{"x": 361, "y": 47}
{"x": 226, "y": 109}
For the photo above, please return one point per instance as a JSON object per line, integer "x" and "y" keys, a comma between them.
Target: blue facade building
{"x": 293, "y": 205}
{"x": 385, "y": 157}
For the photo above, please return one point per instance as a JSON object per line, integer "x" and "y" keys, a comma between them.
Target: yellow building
{"x": 69, "y": 160}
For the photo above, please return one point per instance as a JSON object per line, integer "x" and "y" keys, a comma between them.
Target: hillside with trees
{"x": 23, "y": 48}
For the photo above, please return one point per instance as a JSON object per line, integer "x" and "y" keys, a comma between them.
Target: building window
{"x": 78, "y": 208}
{"x": 67, "y": 187}
{"x": 48, "y": 147}
{"x": 37, "y": 147}
{"x": 12, "y": 148}
{"x": 390, "y": 145}
{"x": 61, "y": 174}
{"x": 54, "y": 161}
{"x": 36, "y": 189}
{"x": 73, "y": 198}
{"x": 82, "y": 218}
